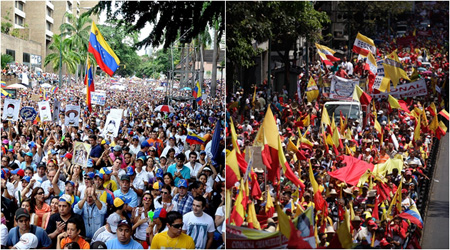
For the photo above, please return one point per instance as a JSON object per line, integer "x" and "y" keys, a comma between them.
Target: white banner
{"x": 112, "y": 124}
{"x": 11, "y": 109}
{"x": 342, "y": 88}
{"x": 56, "y": 109}
{"x": 380, "y": 68}
{"x": 72, "y": 115}
{"x": 417, "y": 88}
{"x": 44, "y": 111}
{"x": 98, "y": 97}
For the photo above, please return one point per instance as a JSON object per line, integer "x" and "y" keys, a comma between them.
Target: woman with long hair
{"x": 165, "y": 200}
{"x": 39, "y": 205}
{"x": 168, "y": 180}
{"x": 170, "y": 156}
{"x": 140, "y": 218}
{"x": 26, "y": 203}
{"x": 76, "y": 175}
{"x": 53, "y": 210}
{"x": 157, "y": 225}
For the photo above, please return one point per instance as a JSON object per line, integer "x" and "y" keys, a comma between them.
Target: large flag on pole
{"x": 198, "y": 93}
{"x": 361, "y": 96}
{"x": 363, "y": 45}
{"x": 89, "y": 82}
{"x": 393, "y": 68}
{"x": 326, "y": 54}
{"x": 312, "y": 91}
{"x": 106, "y": 59}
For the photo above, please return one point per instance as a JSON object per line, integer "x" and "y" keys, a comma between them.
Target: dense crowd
{"x": 146, "y": 188}
{"x": 373, "y": 203}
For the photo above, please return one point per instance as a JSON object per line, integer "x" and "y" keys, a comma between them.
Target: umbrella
{"x": 427, "y": 72}
{"x": 16, "y": 86}
{"x": 159, "y": 88}
{"x": 165, "y": 108}
{"x": 186, "y": 88}
{"x": 421, "y": 69}
{"x": 37, "y": 69}
{"x": 46, "y": 85}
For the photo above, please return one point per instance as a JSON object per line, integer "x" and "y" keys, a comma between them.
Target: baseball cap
{"x": 130, "y": 171}
{"x": 142, "y": 158}
{"x": 124, "y": 222}
{"x": 125, "y": 177}
{"x": 70, "y": 182}
{"x": 171, "y": 138}
{"x": 5, "y": 141}
{"x": 67, "y": 198}
{"x": 90, "y": 164}
{"x": 159, "y": 173}
{"x": 22, "y": 212}
{"x": 68, "y": 156}
{"x": 203, "y": 152}
{"x": 160, "y": 213}
{"x": 18, "y": 171}
{"x": 117, "y": 148}
{"x": 27, "y": 241}
{"x": 98, "y": 245}
{"x": 26, "y": 178}
{"x": 90, "y": 175}
{"x": 207, "y": 168}
{"x": 53, "y": 152}
{"x": 145, "y": 144}
{"x": 119, "y": 201}
{"x": 157, "y": 186}
{"x": 31, "y": 144}
{"x": 29, "y": 154}
{"x": 105, "y": 170}
{"x": 99, "y": 175}
{"x": 182, "y": 183}
{"x": 113, "y": 220}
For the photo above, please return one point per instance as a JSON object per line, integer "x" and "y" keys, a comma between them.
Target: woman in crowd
{"x": 165, "y": 200}
{"x": 140, "y": 218}
{"x": 53, "y": 210}
{"x": 168, "y": 180}
{"x": 38, "y": 202}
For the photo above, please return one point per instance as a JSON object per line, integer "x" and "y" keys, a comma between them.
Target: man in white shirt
{"x": 199, "y": 225}
{"x": 134, "y": 146}
{"x": 170, "y": 144}
{"x": 48, "y": 187}
{"x": 191, "y": 149}
{"x": 193, "y": 165}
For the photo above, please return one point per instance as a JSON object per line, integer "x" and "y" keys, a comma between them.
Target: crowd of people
{"x": 145, "y": 188}
{"x": 376, "y": 217}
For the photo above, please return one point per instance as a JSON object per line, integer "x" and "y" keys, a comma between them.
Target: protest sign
{"x": 11, "y": 109}
{"x": 112, "y": 124}
{"x": 417, "y": 88}
{"x": 81, "y": 153}
{"x": 72, "y": 115}
{"x": 44, "y": 111}
{"x": 341, "y": 88}
{"x": 28, "y": 113}
{"x": 380, "y": 68}
{"x": 56, "y": 109}
{"x": 98, "y": 97}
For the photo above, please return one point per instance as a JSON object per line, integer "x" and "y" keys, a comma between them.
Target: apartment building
{"x": 33, "y": 26}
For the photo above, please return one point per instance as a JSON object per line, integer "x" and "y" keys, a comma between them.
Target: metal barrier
{"x": 424, "y": 189}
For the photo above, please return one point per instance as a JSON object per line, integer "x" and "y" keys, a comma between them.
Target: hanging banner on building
{"x": 417, "y": 88}
{"x": 112, "y": 124}
{"x": 341, "y": 88}
{"x": 72, "y": 115}
{"x": 98, "y": 97}
{"x": 44, "y": 111}
{"x": 11, "y": 109}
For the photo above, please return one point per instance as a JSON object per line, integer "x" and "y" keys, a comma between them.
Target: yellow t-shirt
{"x": 113, "y": 185}
{"x": 163, "y": 241}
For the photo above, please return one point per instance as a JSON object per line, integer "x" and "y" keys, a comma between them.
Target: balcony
{"x": 50, "y": 5}
{"x": 19, "y": 12}
{"x": 48, "y": 33}
{"x": 23, "y": 1}
{"x": 49, "y": 19}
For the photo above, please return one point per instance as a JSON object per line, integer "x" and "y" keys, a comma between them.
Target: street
{"x": 436, "y": 220}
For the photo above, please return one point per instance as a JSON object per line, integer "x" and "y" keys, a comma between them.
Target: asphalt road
{"x": 436, "y": 224}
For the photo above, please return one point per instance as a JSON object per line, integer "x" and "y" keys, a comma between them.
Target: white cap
{"x": 113, "y": 220}
{"x": 27, "y": 241}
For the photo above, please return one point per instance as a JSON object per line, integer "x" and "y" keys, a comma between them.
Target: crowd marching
{"x": 325, "y": 182}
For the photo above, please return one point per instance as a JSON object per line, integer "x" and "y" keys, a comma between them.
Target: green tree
{"x": 70, "y": 58}
{"x": 162, "y": 62}
{"x": 6, "y": 59}
{"x": 170, "y": 18}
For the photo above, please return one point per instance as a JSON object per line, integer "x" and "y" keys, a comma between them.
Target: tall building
{"x": 32, "y": 25}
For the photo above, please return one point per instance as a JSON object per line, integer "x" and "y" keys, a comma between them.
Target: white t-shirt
{"x": 3, "y": 234}
{"x": 158, "y": 204}
{"x": 220, "y": 212}
{"x": 198, "y": 228}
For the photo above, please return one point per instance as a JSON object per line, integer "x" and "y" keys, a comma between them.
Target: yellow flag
{"x": 343, "y": 232}
{"x": 443, "y": 127}
{"x": 393, "y": 68}
{"x": 312, "y": 179}
{"x": 417, "y": 130}
{"x": 335, "y": 137}
{"x": 434, "y": 123}
{"x": 325, "y": 118}
{"x": 312, "y": 91}
{"x": 284, "y": 222}
{"x": 306, "y": 121}
{"x": 397, "y": 194}
{"x": 251, "y": 218}
{"x": 393, "y": 102}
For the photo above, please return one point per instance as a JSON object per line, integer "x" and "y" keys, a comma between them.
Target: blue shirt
{"x": 96, "y": 151}
{"x": 41, "y": 234}
{"x": 130, "y": 195}
{"x": 23, "y": 165}
{"x": 185, "y": 172}
{"x": 93, "y": 217}
{"x": 115, "y": 244}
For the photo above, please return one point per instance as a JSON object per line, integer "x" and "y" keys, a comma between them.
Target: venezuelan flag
{"x": 54, "y": 89}
{"x": 89, "y": 82}
{"x": 3, "y": 84}
{"x": 104, "y": 55}
{"x": 5, "y": 94}
{"x": 194, "y": 139}
{"x": 198, "y": 93}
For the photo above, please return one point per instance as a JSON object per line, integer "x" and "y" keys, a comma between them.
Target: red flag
{"x": 375, "y": 210}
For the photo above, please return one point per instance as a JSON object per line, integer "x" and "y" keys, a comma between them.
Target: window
{"x": 49, "y": 26}
{"x": 69, "y": 6}
{"x": 19, "y": 20}
{"x": 11, "y": 53}
{"x": 19, "y": 5}
{"x": 26, "y": 57}
{"x": 49, "y": 12}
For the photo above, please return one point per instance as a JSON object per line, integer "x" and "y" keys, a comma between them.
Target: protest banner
{"x": 56, "y": 109}
{"x": 11, "y": 108}
{"x": 81, "y": 153}
{"x": 341, "y": 88}
{"x": 380, "y": 68}
{"x": 98, "y": 97}
{"x": 112, "y": 124}
{"x": 72, "y": 115}
{"x": 28, "y": 113}
{"x": 44, "y": 111}
{"x": 417, "y": 88}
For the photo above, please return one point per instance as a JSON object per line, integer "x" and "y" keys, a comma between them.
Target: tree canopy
{"x": 170, "y": 18}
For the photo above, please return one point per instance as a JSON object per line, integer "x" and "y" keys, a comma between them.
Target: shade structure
{"x": 165, "y": 108}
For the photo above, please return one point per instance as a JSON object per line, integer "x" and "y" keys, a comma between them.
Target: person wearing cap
{"x": 104, "y": 195}
{"x": 143, "y": 149}
{"x": 72, "y": 234}
{"x": 27, "y": 241}
{"x": 28, "y": 162}
{"x": 108, "y": 231}
{"x": 128, "y": 193}
{"x": 199, "y": 224}
{"x": 69, "y": 189}
{"x": 157, "y": 225}
{"x": 171, "y": 145}
{"x": 27, "y": 189}
{"x": 183, "y": 199}
{"x": 58, "y": 222}
{"x": 174, "y": 237}
{"x": 93, "y": 211}
{"x": 40, "y": 172}
{"x": 123, "y": 240}
{"x": 178, "y": 169}
{"x": 142, "y": 176}
{"x": 23, "y": 227}
{"x": 136, "y": 185}
{"x": 96, "y": 149}
{"x": 116, "y": 155}
{"x": 154, "y": 141}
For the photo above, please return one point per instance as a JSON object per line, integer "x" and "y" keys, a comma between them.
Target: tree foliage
{"x": 70, "y": 58}
{"x": 170, "y": 19}
{"x": 6, "y": 59}
{"x": 162, "y": 62}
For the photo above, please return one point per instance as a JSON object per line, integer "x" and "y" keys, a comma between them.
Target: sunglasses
{"x": 178, "y": 226}
{"x": 147, "y": 198}
{"x": 87, "y": 178}
{"x": 40, "y": 193}
{"x": 165, "y": 192}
